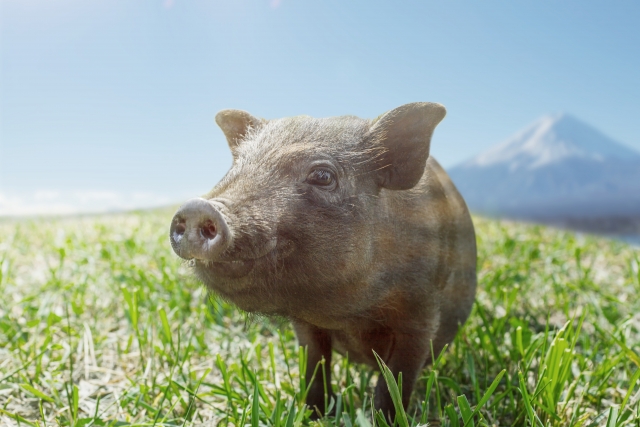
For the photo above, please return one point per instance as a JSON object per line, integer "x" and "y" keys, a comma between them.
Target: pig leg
{"x": 408, "y": 356}
{"x": 318, "y": 343}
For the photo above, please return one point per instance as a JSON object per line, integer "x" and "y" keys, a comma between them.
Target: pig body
{"x": 345, "y": 226}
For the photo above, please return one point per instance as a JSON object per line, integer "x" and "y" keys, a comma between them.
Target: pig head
{"x": 345, "y": 226}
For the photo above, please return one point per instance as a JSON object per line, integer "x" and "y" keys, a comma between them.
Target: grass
{"x": 100, "y": 324}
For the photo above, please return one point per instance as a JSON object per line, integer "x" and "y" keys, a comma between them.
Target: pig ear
{"x": 235, "y": 124}
{"x": 404, "y": 137}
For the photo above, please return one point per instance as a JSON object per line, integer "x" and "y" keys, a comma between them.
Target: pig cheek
{"x": 346, "y": 243}
{"x": 346, "y": 258}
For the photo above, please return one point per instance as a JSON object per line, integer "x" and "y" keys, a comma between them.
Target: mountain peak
{"x": 551, "y": 139}
{"x": 558, "y": 169}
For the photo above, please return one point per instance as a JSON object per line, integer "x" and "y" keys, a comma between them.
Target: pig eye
{"x": 321, "y": 177}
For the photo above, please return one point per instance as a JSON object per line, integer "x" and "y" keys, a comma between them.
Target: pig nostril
{"x": 208, "y": 230}
{"x": 180, "y": 228}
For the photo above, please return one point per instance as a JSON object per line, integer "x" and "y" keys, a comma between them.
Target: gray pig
{"x": 345, "y": 226}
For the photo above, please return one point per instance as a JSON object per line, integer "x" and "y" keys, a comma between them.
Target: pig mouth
{"x": 238, "y": 268}
{"x": 228, "y": 269}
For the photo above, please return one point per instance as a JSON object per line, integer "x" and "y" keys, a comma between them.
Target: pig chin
{"x": 233, "y": 276}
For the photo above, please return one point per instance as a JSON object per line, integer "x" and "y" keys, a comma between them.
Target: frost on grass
{"x": 100, "y": 323}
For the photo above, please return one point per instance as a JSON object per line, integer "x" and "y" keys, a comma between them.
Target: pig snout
{"x": 199, "y": 231}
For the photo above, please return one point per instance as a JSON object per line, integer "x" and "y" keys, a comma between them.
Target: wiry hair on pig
{"x": 345, "y": 226}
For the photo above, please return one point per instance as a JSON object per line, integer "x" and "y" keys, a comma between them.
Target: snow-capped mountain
{"x": 555, "y": 170}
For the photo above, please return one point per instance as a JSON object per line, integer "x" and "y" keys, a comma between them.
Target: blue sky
{"x": 110, "y": 103}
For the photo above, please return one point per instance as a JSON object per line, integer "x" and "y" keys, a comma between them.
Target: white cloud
{"x": 53, "y": 202}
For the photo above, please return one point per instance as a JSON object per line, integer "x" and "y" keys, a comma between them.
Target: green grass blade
{"x": 17, "y": 417}
{"x": 533, "y": 418}
{"x": 394, "y": 391}
{"x": 255, "y": 407}
{"x": 36, "y": 392}
{"x": 166, "y": 329}
{"x": 632, "y": 384}
{"x": 485, "y": 398}
{"x": 452, "y": 415}
{"x": 291, "y": 415}
{"x": 465, "y": 411}
{"x": 613, "y": 417}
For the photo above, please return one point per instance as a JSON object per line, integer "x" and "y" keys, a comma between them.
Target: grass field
{"x": 100, "y": 324}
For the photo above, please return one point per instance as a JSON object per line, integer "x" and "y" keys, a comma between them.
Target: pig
{"x": 345, "y": 226}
